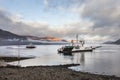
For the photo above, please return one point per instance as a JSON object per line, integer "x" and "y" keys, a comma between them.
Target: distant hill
{"x": 48, "y": 38}
{"x": 117, "y": 42}
{"x": 8, "y": 35}
{"x": 113, "y": 42}
{"x": 108, "y": 42}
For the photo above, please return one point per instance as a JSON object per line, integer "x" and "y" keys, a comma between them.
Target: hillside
{"x": 113, "y": 42}
{"x": 8, "y": 35}
{"x": 9, "y": 38}
{"x": 117, "y": 42}
{"x": 108, "y": 42}
{"x": 48, "y": 38}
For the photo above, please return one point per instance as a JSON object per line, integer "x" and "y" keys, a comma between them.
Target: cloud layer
{"x": 16, "y": 25}
{"x": 104, "y": 14}
{"x": 99, "y": 20}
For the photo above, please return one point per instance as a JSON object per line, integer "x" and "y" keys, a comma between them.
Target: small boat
{"x": 30, "y": 46}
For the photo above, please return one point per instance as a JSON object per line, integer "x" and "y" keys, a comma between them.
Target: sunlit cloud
{"x": 36, "y": 24}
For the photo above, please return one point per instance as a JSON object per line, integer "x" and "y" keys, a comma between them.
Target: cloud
{"x": 103, "y": 14}
{"x": 46, "y": 3}
{"x": 16, "y": 25}
{"x": 64, "y": 4}
{"x": 99, "y": 20}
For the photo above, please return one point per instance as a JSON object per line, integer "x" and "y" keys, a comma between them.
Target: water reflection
{"x": 82, "y": 58}
{"x": 78, "y": 57}
{"x": 66, "y": 54}
{"x": 103, "y": 60}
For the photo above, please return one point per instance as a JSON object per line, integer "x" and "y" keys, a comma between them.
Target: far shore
{"x": 8, "y": 43}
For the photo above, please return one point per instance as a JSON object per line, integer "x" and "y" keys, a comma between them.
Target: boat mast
{"x": 77, "y": 38}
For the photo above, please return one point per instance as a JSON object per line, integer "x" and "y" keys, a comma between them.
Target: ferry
{"x": 75, "y": 46}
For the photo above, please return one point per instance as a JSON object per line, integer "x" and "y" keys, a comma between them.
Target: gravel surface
{"x": 48, "y": 73}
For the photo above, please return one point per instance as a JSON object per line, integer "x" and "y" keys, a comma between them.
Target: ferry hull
{"x": 88, "y": 50}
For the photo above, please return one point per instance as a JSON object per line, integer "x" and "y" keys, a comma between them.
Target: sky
{"x": 91, "y": 19}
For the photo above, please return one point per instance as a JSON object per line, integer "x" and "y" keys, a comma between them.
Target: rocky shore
{"x": 60, "y": 72}
{"x": 10, "y": 59}
{"x": 48, "y": 73}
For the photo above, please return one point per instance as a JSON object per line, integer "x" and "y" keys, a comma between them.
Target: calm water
{"x": 104, "y": 60}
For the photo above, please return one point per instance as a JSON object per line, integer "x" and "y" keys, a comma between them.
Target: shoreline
{"x": 9, "y": 43}
{"x": 10, "y": 59}
{"x": 4, "y": 60}
{"x": 58, "y": 72}
{"x": 49, "y": 73}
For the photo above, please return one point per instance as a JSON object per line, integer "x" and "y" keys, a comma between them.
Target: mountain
{"x": 108, "y": 42}
{"x": 8, "y": 35}
{"x": 117, "y": 41}
{"x": 9, "y": 38}
{"x": 48, "y": 38}
{"x": 113, "y": 42}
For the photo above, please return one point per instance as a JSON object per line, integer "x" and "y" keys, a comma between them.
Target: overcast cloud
{"x": 99, "y": 20}
{"x": 15, "y": 24}
{"x": 104, "y": 14}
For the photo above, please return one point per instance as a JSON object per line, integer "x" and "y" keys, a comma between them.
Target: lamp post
{"x": 18, "y": 52}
